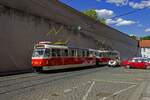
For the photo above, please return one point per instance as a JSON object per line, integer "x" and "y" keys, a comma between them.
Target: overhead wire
{"x": 128, "y": 13}
{"x": 121, "y": 15}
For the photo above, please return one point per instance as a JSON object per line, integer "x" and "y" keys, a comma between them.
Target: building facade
{"x": 145, "y": 48}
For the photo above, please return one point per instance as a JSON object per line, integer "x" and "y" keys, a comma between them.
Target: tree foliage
{"x": 92, "y": 13}
{"x": 145, "y": 38}
{"x": 134, "y": 37}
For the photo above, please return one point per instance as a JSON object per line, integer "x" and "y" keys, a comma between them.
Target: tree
{"x": 145, "y": 38}
{"x": 92, "y": 13}
{"x": 134, "y": 37}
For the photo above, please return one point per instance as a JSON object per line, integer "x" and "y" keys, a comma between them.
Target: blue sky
{"x": 137, "y": 23}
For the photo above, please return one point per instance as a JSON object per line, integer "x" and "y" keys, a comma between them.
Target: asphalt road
{"x": 99, "y": 83}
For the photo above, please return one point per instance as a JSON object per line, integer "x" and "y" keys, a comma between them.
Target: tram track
{"x": 31, "y": 82}
{"x": 18, "y": 81}
{"x": 11, "y": 78}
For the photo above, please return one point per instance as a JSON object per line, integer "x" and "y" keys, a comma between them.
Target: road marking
{"x": 75, "y": 87}
{"x": 115, "y": 82}
{"x": 89, "y": 82}
{"x": 67, "y": 90}
{"x": 89, "y": 90}
{"x": 118, "y": 92}
{"x": 138, "y": 92}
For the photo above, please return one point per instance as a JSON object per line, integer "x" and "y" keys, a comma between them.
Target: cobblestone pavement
{"x": 100, "y": 83}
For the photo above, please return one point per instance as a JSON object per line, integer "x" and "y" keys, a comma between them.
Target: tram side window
{"x": 104, "y": 54}
{"x": 56, "y": 52}
{"x": 47, "y": 53}
{"x": 100, "y": 54}
{"x": 65, "y": 53}
{"x": 87, "y": 53}
{"x": 83, "y": 53}
{"x": 116, "y": 55}
{"x": 110, "y": 54}
{"x": 79, "y": 53}
{"x": 90, "y": 54}
{"x": 75, "y": 53}
{"x": 69, "y": 53}
{"x": 94, "y": 53}
{"x": 72, "y": 52}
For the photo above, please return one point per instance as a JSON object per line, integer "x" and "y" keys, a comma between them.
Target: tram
{"x": 105, "y": 57}
{"x": 48, "y": 56}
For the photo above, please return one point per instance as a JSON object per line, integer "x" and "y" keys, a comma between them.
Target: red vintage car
{"x": 136, "y": 62}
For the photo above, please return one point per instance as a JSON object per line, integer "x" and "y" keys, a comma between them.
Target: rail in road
{"x": 99, "y": 83}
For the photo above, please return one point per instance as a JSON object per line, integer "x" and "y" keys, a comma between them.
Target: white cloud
{"x": 118, "y": 2}
{"x": 120, "y": 22}
{"x": 147, "y": 30}
{"x": 110, "y": 21}
{"x": 104, "y": 13}
{"x": 141, "y": 5}
{"x": 107, "y": 14}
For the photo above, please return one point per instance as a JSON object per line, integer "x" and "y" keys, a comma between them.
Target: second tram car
{"x": 47, "y": 56}
{"x": 111, "y": 58}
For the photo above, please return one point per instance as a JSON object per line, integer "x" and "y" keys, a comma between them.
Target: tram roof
{"x": 63, "y": 47}
{"x": 107, "y": 51}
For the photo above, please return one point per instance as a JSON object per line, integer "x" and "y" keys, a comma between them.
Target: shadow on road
{"x": 70, "y": 69}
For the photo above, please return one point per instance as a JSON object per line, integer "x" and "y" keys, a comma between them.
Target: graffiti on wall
{"x": 54, "y": 33}
{"x": 55, "y": 30}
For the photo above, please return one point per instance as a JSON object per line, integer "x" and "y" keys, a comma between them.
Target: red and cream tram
{"x": 48, "y": 56}
{"x": 111, "y": 58}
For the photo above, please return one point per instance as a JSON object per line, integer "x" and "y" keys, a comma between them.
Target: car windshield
{"x": 135, "y": 60}
{"x": 38, "y": 53}
{"x": 140, "y": 60}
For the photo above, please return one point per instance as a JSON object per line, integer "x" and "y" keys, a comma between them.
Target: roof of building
{"x": 144, "y": 43}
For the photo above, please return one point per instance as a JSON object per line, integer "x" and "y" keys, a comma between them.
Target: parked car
{"x": 136, "y": 62}
{"x": 148, "y": 59}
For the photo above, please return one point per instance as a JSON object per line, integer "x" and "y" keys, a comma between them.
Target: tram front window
{"x": 38, "y": 53}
